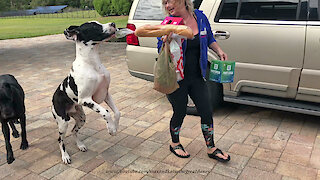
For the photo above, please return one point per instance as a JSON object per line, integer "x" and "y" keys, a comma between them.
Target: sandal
{"x": 214, "y": 156}
{"x": 172, "y": 149}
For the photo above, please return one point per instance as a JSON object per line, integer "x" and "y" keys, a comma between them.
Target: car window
{"x": 261, "y": 10}
{"x": 269, "y": 10}
{"x": 152, "y": 9}
{"x": 229, "y": 9}
{"x": 314, "y": 10}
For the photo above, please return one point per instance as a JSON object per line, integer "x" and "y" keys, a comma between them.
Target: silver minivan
{"x": 275, "y": 43}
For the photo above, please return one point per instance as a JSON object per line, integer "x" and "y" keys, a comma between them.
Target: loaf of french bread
{"x": 161, "y": 30}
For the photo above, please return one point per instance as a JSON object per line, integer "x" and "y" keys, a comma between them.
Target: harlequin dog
{"x": 11, "y": 109}
{"x": 86, "y": 85}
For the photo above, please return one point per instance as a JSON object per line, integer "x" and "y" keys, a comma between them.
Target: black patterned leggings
{"x": 198, "y": 92}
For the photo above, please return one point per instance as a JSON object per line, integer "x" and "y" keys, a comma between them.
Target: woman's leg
{"x": 199, "y": 94}
{"x": 178, "y": 100}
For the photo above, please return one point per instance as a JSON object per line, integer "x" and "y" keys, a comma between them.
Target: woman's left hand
{"x": 223, "y": 56}
{"x": 216, "y": 48}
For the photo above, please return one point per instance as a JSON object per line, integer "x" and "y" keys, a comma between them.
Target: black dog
{"x": 11, "y": 109}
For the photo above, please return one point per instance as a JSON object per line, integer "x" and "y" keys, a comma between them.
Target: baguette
{"x": 161, "y": 30}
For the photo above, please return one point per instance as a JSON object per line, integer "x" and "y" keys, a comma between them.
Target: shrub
{"x": 103, "y": 7}
{"x": 112, "y": 7}
{"x": 121, "y": 7}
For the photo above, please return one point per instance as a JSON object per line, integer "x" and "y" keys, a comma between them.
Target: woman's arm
{"x": 216, "y": 48}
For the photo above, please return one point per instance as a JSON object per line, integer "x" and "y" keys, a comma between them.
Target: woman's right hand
{"x": 167, "y": 38}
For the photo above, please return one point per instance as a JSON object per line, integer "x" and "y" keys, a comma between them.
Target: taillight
{"x": 131, "y": 38}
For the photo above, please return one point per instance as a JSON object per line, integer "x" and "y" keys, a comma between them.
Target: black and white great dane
{"x": 86, "y": 85}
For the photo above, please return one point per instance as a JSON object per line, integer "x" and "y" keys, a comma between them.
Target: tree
{"x": 74, "y": 3}
{"x": 86, "y": 4}
{"x": 36, "y": 3}
{"x": 4, "y": 5}
{"x": 18, "y": 4}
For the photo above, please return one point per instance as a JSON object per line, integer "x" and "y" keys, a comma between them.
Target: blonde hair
{"x": 188, "y": 4}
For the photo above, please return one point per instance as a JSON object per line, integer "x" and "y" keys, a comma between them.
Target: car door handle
{"x": 221, "y": 34}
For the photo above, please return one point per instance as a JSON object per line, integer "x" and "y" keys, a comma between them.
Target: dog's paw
{"x": 24, "y": 145}
{"x": 112, "y": 129}
{"x": 15, "y": 121}
{"x": 66, "y": 158}
{"x": 15, "y": 134}
{"x": 10, "y": 159}
{"x": 82, "y": 147}
{"x": 112, "y": 132}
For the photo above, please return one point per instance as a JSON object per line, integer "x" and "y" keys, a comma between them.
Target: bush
{"x": 112, "y": 7}
{"x": 103, "y": 7}
{"x": 121, "y": 7}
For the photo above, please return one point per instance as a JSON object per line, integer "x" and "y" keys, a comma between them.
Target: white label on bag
{"x": 228, "y": 67}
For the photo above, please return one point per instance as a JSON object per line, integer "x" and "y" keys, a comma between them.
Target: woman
{"x": 195, "y": 60}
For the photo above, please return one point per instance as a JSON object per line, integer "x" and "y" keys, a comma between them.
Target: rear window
{"x": 152, "y": 9}
{"x": 149, "y": 10}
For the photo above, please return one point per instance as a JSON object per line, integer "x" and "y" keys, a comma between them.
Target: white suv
{"x": 275, "y": 43}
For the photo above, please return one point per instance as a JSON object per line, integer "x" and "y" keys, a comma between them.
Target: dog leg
{"x": 88, "y": 102}
{"x": 6, "y": 134}
{"x": 15, "y": 133}
{"x": 80, "y": 119}
{"x": 63, "y": 126}
{"x": 115, "y": 110}
{"x": 24, "y": 143}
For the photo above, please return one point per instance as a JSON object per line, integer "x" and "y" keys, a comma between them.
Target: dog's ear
{"x": 71, "y": 32}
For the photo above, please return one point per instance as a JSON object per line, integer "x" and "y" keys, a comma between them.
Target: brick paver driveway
{"x": 263, "y": 143}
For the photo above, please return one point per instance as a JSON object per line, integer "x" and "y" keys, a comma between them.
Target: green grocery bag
{"x": 222, "y": 71}
{"x": 165, "y": 76}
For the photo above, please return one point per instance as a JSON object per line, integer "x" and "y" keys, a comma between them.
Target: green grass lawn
{"x": 32, "y": 27}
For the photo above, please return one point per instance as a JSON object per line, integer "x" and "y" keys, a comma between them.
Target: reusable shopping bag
{"x": 222, "y": 71}
{"x": 165, "y": 76}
